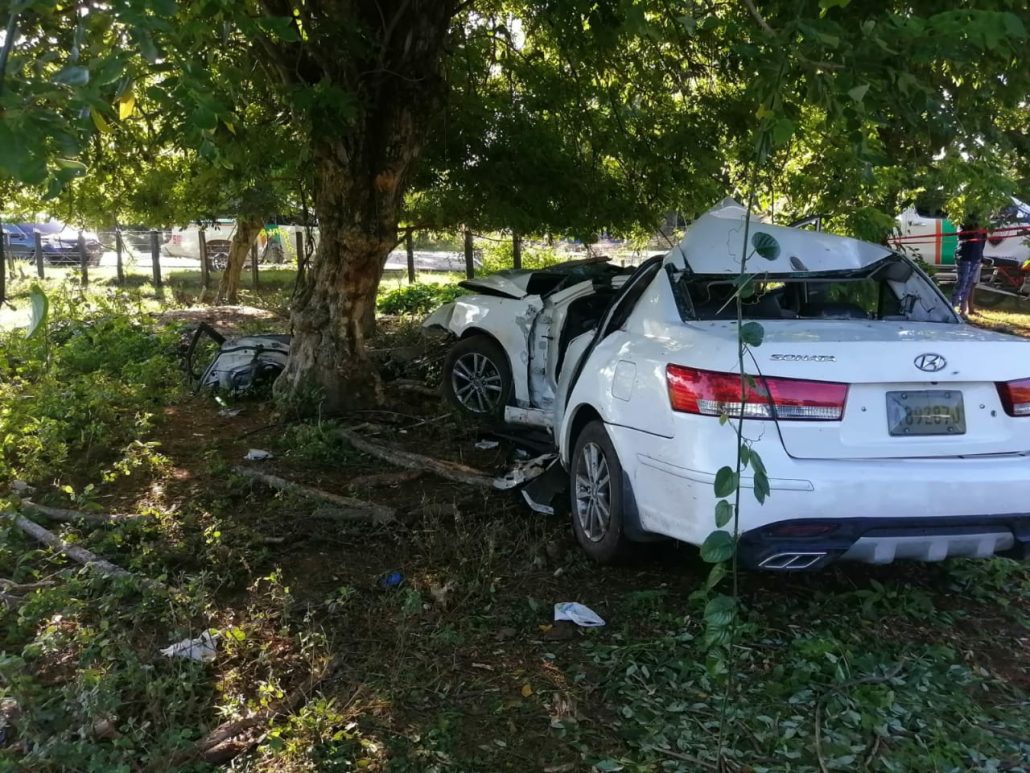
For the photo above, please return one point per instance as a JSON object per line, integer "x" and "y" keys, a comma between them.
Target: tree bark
{"x": 247, "y": 230}
{"x": 362, "y": 169}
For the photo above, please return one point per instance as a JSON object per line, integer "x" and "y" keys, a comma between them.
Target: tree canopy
{"x": 568, "y": 116}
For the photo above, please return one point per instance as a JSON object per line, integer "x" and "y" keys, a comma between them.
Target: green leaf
{"x": 781, "y": 132}
{"x": 765, "y": 245}
{"x": 725, "y": 482}
{"x": 71, "y": 163}
{"x": 99, "y": 121}
{"x": 146, "y": 45}
{"x": 75, "y": 75}
{"x": 723, "y": 513}
{"x": 827, "y": 4}
{"x": 752, "y": 333}
{"x": 761, "y": 487}
{"x": 756, "y": 460}
{"x": 39, "y": 310}
{"x": 720, "y": 611}
{"x": 716, "y": 575}
{"x": 718, "y": 546}
{"x": 858, "y": 93}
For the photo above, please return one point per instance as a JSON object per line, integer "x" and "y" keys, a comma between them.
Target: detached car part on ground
{"x": 239, "y": 365}
{"x": 889, "y": 428}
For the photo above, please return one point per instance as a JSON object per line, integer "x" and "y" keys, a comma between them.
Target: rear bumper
{"x": 812, "y": 543}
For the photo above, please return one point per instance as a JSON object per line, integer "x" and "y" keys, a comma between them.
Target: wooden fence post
{"x": 119, "y": 265}
{"x": 253, "y": 264}
{"x": 155, "y": 259}
{"x": 299, "y": 238}
{"x": 409, "y": 245}
{"x": 38, "y": 238}
{"x": 205, "y": 277}
{"x": 470, "y": 266}
{"x": 516, "y": 250}
{"x": 83, "y": 260}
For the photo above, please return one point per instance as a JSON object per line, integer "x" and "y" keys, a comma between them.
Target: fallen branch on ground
{"x": 89, "y": 560}
{"x": 444, "y": 469}
{"x": 232, "y": 738}
{"x": 384, "y": 478}
{"x": 353, "y": 509}
{"x": 410, "y": 385}
{"x": 76, "y": 516}
{"x": 12, "y": 593}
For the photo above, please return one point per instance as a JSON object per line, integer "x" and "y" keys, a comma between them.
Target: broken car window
{"x": 888, "y": 290}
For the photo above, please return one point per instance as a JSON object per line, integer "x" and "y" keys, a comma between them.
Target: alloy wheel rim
{"x": 593, "y": 493}
{"x": 476, "y": 382}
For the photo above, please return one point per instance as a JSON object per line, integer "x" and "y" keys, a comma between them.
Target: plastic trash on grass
{"x": 202, "y": 648}
{"x": 257, "y": 455}
{"x": 577, "y": 613}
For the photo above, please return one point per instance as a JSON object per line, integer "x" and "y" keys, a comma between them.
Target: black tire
{"x": 477, "y": 378}
{"x": 604, "y": 541}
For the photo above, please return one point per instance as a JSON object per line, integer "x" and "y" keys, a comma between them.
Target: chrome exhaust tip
{"x": 792, "y": 561}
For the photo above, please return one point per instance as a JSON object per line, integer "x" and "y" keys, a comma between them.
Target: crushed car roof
{"x": 713, "y": 245}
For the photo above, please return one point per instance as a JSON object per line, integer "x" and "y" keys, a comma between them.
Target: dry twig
{"x": 353, "y": 509}
{"x": 444, "y": 469}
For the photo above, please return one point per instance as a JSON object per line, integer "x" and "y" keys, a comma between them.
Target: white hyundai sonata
{"x": 889, "y": 429}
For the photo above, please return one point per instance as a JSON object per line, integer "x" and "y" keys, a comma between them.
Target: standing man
{"x": 972, "y": 240}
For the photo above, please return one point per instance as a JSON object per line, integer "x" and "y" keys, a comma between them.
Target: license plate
{"x": 926, "y": 412}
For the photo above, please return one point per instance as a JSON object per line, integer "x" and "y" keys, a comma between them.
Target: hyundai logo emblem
{"x": 930, "y": 362}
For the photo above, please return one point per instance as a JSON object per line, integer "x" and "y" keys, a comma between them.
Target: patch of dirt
{"x": 226, "y": 319}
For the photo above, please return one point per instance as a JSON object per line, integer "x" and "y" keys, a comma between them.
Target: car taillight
{"x": 709, "y": 393}
{"x": 1015, "y": 397}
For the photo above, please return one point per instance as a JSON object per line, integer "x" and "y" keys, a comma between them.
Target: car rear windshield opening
{"x": 869, "y": 295}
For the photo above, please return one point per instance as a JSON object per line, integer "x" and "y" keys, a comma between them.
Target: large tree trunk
{"x": 247, "y": 230}
{"x": 362, "y": 169}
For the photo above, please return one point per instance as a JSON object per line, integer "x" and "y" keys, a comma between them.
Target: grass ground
{"x": 460, "y": 666}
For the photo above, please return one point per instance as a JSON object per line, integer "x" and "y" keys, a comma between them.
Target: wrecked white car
{"x": 889, "y": 429}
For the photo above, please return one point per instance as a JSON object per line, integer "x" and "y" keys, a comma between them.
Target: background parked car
{"x": 60, "y": 242}
{"x": 185, "y": 242}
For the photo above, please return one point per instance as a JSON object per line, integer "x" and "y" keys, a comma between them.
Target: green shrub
{"x": 75, "y": 394}
{"x": 500, "y": 255}
{"x": 417, "y": 298}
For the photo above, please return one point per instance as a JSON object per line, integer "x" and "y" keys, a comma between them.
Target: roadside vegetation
{"x": 459, "y": 666}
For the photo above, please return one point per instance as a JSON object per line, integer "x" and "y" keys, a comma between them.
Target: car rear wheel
{"x": 597, "y": 496}
{"x": 477, "y": 378}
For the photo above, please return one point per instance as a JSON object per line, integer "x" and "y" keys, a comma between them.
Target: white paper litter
{"x": 230, "y": 412}
{"x": 257, "y": 455}
{"x": 487, "y": 445}
{"x": 577, "y": 613}
{"x": 202, "y": 648}
{"x": 521, "y": 472}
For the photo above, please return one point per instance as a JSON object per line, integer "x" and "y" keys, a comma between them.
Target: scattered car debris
{"x": 203, "y": 648}
{"x": 487, "y": 445}
{"x": 258, "y": 455}
{"x": 577, "y": 613}
{"x": 524, "y": 471}
{"x": 241, "y": 364}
